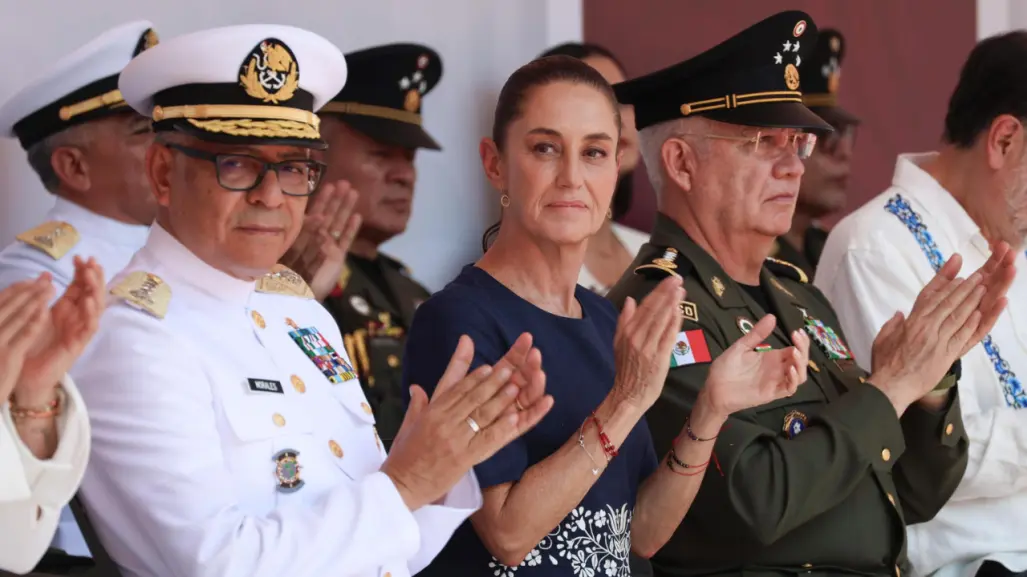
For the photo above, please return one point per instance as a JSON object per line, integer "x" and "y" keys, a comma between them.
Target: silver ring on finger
{"x": 473, "y": 425}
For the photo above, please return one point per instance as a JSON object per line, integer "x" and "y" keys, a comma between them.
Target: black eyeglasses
{"x": 243, "y": 173}
{"x": 842, "y": 134}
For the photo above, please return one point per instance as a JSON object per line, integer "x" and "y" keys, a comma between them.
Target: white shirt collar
{"x": 92, "y": 225}
{"x": 179, "y": 266}
{"x": 920, "y": 187}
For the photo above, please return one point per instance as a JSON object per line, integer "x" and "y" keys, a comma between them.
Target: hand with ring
{"x": 468, "y": 419}
{"x": 319, "y": 252}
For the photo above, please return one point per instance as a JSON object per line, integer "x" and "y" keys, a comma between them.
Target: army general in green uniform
{"x": 374, "y": 129}
{"x": 823, "y": 482}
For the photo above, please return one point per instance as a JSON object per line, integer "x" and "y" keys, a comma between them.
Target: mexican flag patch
{"x": 690, "y": 349}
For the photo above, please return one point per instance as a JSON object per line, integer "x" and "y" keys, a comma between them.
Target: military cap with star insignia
{"x": 383, "y": 100}
{"x": 248, "y": 84}
{"x": 753, "y": 78}
{"x": 80, "y": 87}
{"x": 820, "y": 86}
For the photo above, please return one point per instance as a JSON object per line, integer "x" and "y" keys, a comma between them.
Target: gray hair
{"x": 650, "y": 145}
{"x": 40, "y": 154}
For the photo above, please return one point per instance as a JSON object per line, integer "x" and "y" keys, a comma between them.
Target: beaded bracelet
{"x": 608, "y": 447}
{"x": 51, "y": 409}
{"x": 691, "y": 435}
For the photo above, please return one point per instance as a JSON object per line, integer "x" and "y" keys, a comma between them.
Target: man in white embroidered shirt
{"x": 230, "y": 434}
{"x": 969, "y": 195}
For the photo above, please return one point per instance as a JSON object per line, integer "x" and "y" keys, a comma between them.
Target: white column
{"x": 995, "y": 16}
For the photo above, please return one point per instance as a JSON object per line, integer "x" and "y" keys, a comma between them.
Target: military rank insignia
{"x": 826, "y": 338}
{"x": 795, "y": 423}
{"x": 287, "y": 471}
{"x": 689, "y": 349}
{"x": 324, "y": 357}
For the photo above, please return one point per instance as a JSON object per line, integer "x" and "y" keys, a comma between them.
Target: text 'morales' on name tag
{"x": 265, "y": 386}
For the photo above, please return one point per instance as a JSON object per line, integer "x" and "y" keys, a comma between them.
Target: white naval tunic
{"x": 112, "y": 243}
{"x": 873, "y": 266}
{"x": 182, "y": 478}
{"x": 32, "y": 492}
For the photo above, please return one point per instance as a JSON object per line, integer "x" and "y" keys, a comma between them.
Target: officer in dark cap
{"x": 826, "y": 178}
{"x": 824, "y": 481}
{"x": 374, "y": 129}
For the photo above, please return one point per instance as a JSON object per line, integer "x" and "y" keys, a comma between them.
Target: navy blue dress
{"x": 577, "y": 356}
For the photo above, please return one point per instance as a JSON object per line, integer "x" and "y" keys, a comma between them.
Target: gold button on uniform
{"x": 278, "y": 419}
{"x": 891, "y": 499}
{"x": 948, "y": 429}
{"x": 366, "y": 407}
{"x": 393, "y": 361}
{"x": 258, "y": 319}
{"x": 336, "y": 449}
{"x": 886, "y": 455}
{"x": 370, "y": 381}
{"x": 297, "y": 383}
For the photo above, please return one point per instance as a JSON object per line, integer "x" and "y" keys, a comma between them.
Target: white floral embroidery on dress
{"x": 593, "y": 544}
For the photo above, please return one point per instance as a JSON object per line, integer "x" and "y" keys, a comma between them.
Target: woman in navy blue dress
{"x": 584, "y": 488}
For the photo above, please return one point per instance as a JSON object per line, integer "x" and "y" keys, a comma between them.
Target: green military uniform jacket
{"x": 373, "y": 319}
{"x": 833, "y": 494}
{"x": 805, "y": 257}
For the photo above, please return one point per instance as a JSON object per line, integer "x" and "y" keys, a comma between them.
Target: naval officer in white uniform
{"x": 231, "y": 437}
{"x": 87, "y": 146}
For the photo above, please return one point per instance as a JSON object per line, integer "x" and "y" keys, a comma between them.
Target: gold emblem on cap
{"x": 791, "y": 77}
{"x": 412, "y": 100}
{"x": 270, "y": 73}
{"x": 800, "y": 27}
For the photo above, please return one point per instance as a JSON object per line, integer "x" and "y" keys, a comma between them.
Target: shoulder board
{"x": 282, "y": 280}
{"x": 55, "y": 238}
{"x": 662, "y": 261}
{"x": 787, "y": 270}
{"x": 144, "y": 291}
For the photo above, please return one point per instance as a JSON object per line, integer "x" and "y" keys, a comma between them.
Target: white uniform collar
{"x": 919, "y": 186}
{"x": 178, "y": 266}
{"x": 92, "y": 225}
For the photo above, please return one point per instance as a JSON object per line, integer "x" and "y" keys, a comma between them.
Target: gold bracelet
{"x": 51, "y": 409}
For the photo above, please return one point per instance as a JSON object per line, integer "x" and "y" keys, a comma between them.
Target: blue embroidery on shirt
{"x": 1011, "y": 388}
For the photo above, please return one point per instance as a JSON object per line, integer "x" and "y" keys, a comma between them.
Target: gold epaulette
{"x": 284, "y": 281}
{"x": 666, "y": 263}
{"x": 55, "y": 238}
{"x": 144, "y": 291}
{"x": 787, "y": 269}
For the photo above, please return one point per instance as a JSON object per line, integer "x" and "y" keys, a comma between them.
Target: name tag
{"x": 265, "y": 386}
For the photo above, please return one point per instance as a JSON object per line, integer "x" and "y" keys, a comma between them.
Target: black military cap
{"x": 81, "y": 87}
{"x": 247, "y": 84}
{"x": 751, "y": 79}
{"x": 820, "y": 87}
{"x": 383, "y": 97}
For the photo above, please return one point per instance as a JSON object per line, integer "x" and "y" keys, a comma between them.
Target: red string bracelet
{"x": 608, "y": 447}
